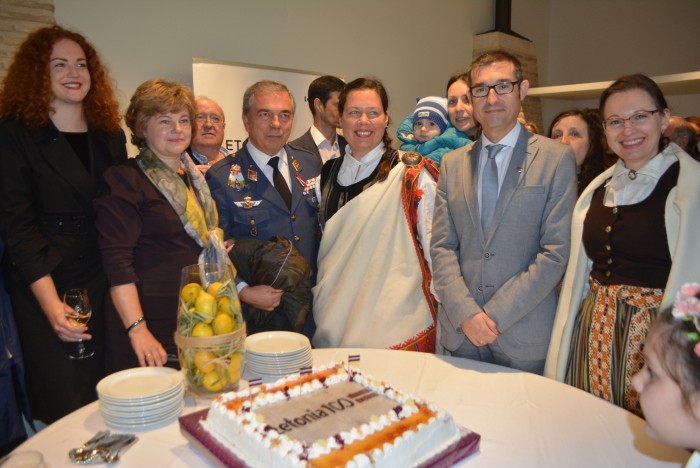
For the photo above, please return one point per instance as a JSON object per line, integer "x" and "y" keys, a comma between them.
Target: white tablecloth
{"x": 524, "y": 420}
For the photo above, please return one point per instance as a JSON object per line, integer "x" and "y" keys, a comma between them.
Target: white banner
{"x": 225, "y": 83}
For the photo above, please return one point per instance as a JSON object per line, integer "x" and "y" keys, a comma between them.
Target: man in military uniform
{"x": 267, "y": 188}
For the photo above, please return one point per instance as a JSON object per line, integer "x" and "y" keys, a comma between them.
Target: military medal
{"x": 307, "y": 185}
{"x": 247, "y": 203}
{"x": 252, "y": 175}
{"x": 235, "y": 178}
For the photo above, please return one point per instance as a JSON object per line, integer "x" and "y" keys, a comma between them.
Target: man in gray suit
{"x": 501, "y": 228}
{"x": 322, "y": 139}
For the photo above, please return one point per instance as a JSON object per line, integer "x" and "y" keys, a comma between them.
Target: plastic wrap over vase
{"x": 210, "y": 329}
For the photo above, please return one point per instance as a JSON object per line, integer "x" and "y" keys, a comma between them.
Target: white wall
{"x": 412, "y": 52}
{"x": 601, "y": 40}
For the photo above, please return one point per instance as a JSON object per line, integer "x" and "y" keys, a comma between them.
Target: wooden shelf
{"x": 679, "y": 83}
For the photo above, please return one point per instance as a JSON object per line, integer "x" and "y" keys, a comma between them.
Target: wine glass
{"x": 77, "y": 306}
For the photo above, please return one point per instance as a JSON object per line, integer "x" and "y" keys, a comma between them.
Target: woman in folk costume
{"x": 155, "y": 217}
{"x": 374, "y": 279}
{"x": 633, "y": 244}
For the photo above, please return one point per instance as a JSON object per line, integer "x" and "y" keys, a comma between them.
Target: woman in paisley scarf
{"x": 155, "y": 217}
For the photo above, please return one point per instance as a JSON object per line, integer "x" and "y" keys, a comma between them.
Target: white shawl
{"x": 368, "y": 293}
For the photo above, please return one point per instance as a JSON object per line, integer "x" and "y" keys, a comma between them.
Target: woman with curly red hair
{"x": 59, "y": 131}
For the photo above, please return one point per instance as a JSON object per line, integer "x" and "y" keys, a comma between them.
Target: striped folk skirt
{"x": 607, "y": 341}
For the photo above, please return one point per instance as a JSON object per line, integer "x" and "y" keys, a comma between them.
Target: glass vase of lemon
{"x": 210, "y": 328}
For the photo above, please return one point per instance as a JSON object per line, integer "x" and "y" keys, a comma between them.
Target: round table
{"x": 525, "y": 420}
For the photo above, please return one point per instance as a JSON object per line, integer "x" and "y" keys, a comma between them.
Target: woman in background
{"x": 154, "y": 218}
{"x": 459, "y": 108}
{"x": 582, "y": 130}
{"x": 634, "y": 243}
{"x": 59, "y": 132}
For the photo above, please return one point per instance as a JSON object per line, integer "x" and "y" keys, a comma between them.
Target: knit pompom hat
{"x": 433, "y": 108}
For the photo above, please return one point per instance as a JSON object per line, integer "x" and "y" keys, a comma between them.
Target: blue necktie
{"x": 489, "y": 188}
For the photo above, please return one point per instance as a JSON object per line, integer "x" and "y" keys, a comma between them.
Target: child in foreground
{"x": 669, "y": 383}
{"x": 429, "y": 131}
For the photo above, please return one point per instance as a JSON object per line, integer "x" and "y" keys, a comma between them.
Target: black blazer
{"x": 46, "y": 197}
{"x": 47, "y": 219}
{"x": 306, "y": 141}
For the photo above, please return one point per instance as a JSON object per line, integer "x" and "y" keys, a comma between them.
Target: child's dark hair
{"x": 674, "y": 341}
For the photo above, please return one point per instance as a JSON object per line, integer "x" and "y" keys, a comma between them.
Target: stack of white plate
{"x": 141, "y": 397}
{"x": 277, "y": 353}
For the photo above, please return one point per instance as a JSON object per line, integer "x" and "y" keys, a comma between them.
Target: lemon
{"x": 190, "y": 292}
{"x": 214, "y": 288}
{"x": 204, "y": 360}
{"x": 224, "y": 305}
{"x": 213, "y": 382}
{"x": 223, "y": 323}
{"x": 234, "y": 368}
{"x": 205, "y": 304}
{"x": 202, "y": 330}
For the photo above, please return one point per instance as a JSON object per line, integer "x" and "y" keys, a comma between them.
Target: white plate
{"x": 278, "y": 371}
{"x": 279, "y": 357}
{"x": 135, "y": 402}
{"x": 280, "y": 361}
{"x": 273, "y": 363}
{"x": 139, "y": 383}
{"x": 135, "y": 423}
{"x": 141, "y": 410}
{"x": 252, "y": 352}
{"x": 273, "y": 368}
{"x": 276, "y": 342}
{"x": 150, "y": 414}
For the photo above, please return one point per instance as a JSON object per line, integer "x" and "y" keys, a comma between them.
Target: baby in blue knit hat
{"x": 428, "y": 131}
{"x": 430, "y": 118}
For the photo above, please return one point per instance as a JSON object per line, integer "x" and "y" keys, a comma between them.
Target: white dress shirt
{"x": 353, "y": 170}
{"x": 261, "y": 160}
{"x": 621, "y": 190}
{"x": 327, "y": 149}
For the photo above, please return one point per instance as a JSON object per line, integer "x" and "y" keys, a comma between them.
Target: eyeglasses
{"x": 213, "y": 118}
{"x": 618, "y": 123}
{"x": 504, "y": 87}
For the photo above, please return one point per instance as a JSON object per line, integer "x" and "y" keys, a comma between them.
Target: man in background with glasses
{"x": 210, "y": 123}
{"x": 501, "y": 227}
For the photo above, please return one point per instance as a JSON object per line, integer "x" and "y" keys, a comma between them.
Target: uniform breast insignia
{"x": 296, "y": 165}
{"x": 247, "y": 203}
{"x": 411, "y": 158}
{"x": 235, "y": 178}
{"x": 252, "y": 175}
{"x": 307, "y": 185}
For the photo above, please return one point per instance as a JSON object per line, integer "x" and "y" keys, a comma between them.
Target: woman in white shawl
{"x": 373, "y": 287}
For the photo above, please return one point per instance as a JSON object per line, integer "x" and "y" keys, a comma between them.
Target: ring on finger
{"x": 148, "y": 355}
